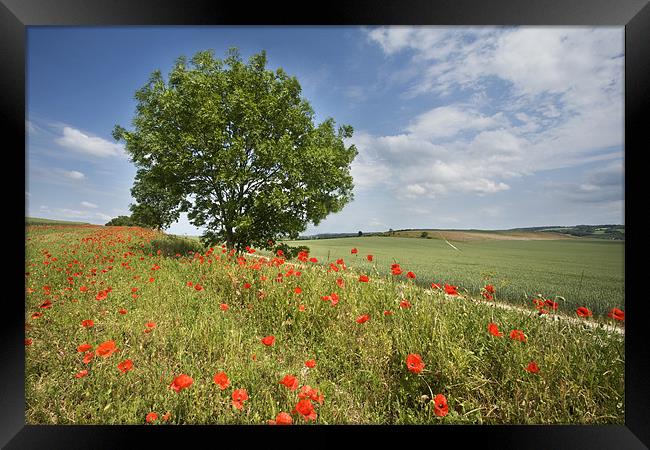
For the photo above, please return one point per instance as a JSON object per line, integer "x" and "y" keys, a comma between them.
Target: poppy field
{"x": 125, "y": 325}
{"x": 581, "y": 272}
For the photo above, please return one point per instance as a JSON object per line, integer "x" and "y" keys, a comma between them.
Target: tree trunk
{"x": 230, "y": 238}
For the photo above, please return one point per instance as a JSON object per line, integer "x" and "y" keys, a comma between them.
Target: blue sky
{"x": 456, "y": 127}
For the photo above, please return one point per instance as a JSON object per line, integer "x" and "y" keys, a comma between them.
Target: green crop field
{"x": 584, "y": 272}
{"x": 40, "y": 221}
{"x": 129, "y": 326}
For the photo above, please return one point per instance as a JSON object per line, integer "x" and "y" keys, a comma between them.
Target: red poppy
{"x": 388, "y": 313}
{"x": 83, "y": 289}
{"x": 166, "y": 416}
{"x": 306, "y": 409}
{"x": 135, "y": 289}
{"x": 435, "y": 286}
{"x": 616, "y": 314}
{"x": 151, "y": 280}
{"x": 268, "y": 340}
{"x": 125, "y": 365}
{"x": 311, "y": 363}
{"x": 551, "y": 304}
{"x": 122, "y": 311}
{"x": 87, "y": 323}
{"x": 314, "y": 260}
{"x": 405, "y": 304}
{"x": 301, "y": 307}
{"x": 363, "y": 319}
{"x": 440, "y": 407}
{"x": 414, "y": 363}
{"x": 340, "y": 282}
{"x": 88, "y": 357}
{"x": 410, "y": 275}
{"x": 518, "y": 335}
{"x": 36, "y": 315}
{"x": 310, "y": 393}
{"x": 101, "y": 295}
{"x": 190, "y": 284}
{"x": 151, "y": 417}
{"x": 282, "y": 419}
{"x": 238, "y": 398}
{"x": 106, "y": 349}
{"x": 369, "y": 258}
{"x": 83, "y": 373}
{"x": 297, "y": 290}
{"x": 181, "y": 382}
{"x": 198, "y": 287}
{"x": 247, "y": 286}
{"x": 532, "y": 367}
{"x": 493, "y": 329}
{"x": 396, "y": 270}
{"x": 224, "y": 307}
{"x": 583, "y": 312}
{"x": 364, "y": 278}
{"x": 46, "y": 304}
{"x": 451, "y": 290}
{"x": 222, "y": 380}
{"x": 354, "y": 251}
{"x": 28, "y": 341}
{"x": 490, "y": 288}
{"x": 290, "y": 381}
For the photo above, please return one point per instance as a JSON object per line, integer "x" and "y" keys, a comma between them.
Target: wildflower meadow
{"x": 125, "y": 325}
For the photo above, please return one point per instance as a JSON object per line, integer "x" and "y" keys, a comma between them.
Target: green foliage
{"x": 289, "y": 251}
{"x": 424, "y": 234}
{"x": 235, "y": 147}
{"x": 158, "y": 205}
{"x": 122, "y": 221}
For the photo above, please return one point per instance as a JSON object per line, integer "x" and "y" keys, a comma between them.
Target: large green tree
{"x": 236, "y": 148}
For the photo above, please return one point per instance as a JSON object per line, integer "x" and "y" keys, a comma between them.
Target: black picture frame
{"x": 16, "y": 15}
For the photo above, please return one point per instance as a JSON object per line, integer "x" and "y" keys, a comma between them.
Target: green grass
{"x": 39, "y": 221}
{"x": 584, "y": 272}
{"x": 360, "y": 369}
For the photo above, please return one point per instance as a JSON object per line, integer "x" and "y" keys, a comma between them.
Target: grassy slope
{"x": 585, "y": 272}
{"x": 360, "y": 367}
{"x": 40, "y": 221}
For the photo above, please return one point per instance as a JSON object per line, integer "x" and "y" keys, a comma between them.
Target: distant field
{"x": 39, "y": 221}
{"x": 470, "y": 235}
{"x": 585, "y": 272}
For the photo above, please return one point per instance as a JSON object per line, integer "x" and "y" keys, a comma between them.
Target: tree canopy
{"x": 122, "y": 221}
{"x": 235, "y": 146}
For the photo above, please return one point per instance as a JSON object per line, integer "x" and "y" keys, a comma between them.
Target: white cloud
{"x": 90, "y": 145}
{"x": 72, "y": 174}
{"x": 103, "y": 216}
{"x": 448, "y": 121}
{"x": 558, "y": 103}
{"x": 88, "y": 205}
